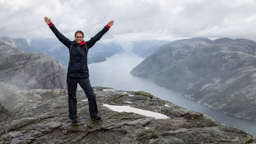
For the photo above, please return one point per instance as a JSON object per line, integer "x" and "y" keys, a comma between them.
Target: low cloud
{"x": 134, "y": 19}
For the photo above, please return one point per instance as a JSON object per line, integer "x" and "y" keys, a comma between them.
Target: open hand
{"x": 110, "y": 23}
{"x": 47, "y": 20}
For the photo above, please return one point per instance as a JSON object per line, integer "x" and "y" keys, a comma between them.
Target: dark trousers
{"x": 89, "y": 92}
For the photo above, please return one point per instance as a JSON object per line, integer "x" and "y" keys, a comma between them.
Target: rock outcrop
{"x": 7, "y": 49}
{"x": 219, "y": 73}
{"x": 29, "y": 70}
{"x": 4, "y": 113}
{"x": 45, "y": 120}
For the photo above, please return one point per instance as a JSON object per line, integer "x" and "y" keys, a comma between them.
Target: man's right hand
{"x": 47, "y": 20}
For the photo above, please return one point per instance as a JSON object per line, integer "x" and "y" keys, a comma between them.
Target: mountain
{"x": 53, "y": 47}
{"x": 29, "y": 70}
{"x": 7, "y": 49}
{"x": 101, "y": 51}
{"x": 21, "y": 43}
{"x": 44, "y": 119}
{"x": 219, "y": 73}
{"x": 146, "y": 48}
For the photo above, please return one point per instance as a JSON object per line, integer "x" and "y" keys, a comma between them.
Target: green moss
{"x": 117, "y": 97}
{"x": 113, "y": 103}
{"x": 142, "y": 93}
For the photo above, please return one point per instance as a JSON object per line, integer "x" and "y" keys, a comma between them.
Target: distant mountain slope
{"x": 219, "y": 73}
{"x": 29, "y": 70}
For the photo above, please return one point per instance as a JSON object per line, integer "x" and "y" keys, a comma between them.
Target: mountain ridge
{"x": 29, "y": 70}
{"x": 216, "y": 73}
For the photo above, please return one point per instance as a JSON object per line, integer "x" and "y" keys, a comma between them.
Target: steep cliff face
{"x": 220, "y": 73}
{"x": 29, "y": 70}
{"x": 44, "y": 119}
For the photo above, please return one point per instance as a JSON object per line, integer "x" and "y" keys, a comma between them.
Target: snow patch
{"x": 136, "y": 110}
{"x": 128, "y": 102}
{"x": 146, "y": 128}
{"x": 205, "y": 86}
{"x": 167, "y": 105}
{"x": 37, "y": 96}
{"x": 112, "y": 90}
{"x": 28, "y": 41}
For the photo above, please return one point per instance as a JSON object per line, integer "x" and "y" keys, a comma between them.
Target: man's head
{"x": 79, "y": 36}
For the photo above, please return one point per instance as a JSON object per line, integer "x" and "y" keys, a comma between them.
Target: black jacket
{"x": 77, "y": 66}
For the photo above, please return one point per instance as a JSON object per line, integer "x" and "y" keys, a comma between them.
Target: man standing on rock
{"x": 78, "y": 69}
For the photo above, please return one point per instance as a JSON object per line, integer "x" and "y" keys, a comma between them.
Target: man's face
{"x": 79, "y": 38}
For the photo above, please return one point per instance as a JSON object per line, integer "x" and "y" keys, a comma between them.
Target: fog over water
{"x": 115, "y": 73}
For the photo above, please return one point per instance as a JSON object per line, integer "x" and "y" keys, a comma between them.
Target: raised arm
{"x": 97, "y": 37}
{"x": 61, "y": 37}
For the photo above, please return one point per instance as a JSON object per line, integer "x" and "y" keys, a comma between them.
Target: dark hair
{"x": 79, "y": 31}
{"x": 84, "y": 46}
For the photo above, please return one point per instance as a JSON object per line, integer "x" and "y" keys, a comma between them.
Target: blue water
{"x": 115, "y": 73}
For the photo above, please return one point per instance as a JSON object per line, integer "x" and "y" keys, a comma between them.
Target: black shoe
{"x": 74, "y": 122}
{"x": 96, "y": 118}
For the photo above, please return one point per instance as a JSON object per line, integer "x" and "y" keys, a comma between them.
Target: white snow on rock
{"x": 167, "y": 105}
{"x": 136, "y": 110}
{"x": 105, "y": 90}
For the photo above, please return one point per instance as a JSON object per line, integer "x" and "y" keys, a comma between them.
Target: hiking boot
{"x": 74, "y": 122}
{"x": 96, "y": 118}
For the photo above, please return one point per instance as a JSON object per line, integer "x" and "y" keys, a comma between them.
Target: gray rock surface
{"x": 45, "y": 120}
{"x": 4, "y": 113}
{"x": 7, "y": 49}
{"x": 29, "y": 70}
{"x": 219, "y": 73}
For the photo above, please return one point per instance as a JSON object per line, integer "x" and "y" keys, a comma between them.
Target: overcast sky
{"x": 134, "y": 19}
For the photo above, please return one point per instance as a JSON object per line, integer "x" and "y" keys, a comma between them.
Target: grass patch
{"x": 142, "y": 93}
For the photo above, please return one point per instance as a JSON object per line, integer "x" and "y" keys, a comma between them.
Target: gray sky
{"x": 134, "y": 19}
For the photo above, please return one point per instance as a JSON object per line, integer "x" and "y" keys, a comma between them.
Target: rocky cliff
{"x": 7, "y": 49}
{"x": 29, "y": 70}
{"x": 219, "y": 73}
{"x": 44, "y": 119}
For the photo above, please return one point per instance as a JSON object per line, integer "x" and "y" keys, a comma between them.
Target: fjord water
{"x": 115, "y": 73}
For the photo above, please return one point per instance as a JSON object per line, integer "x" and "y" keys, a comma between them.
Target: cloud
{"x": 134, "y": 19}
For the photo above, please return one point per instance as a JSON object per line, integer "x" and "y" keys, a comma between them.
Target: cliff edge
{"x": 44, "y": 119}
